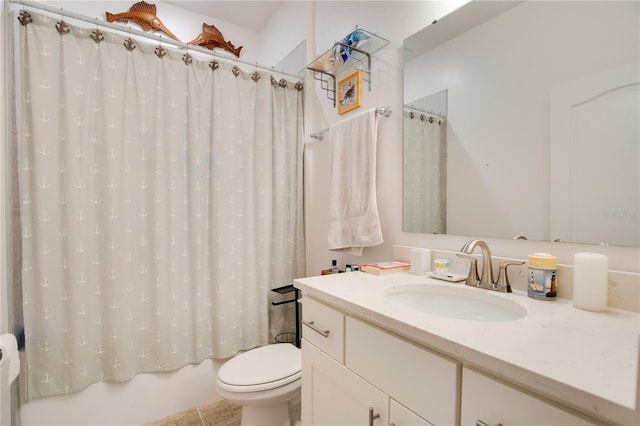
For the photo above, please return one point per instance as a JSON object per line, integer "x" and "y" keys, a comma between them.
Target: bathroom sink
{"x": 454, "y": 302}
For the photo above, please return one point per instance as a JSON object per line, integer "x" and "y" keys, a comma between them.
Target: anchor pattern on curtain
{"x": 161, "y": 200}
{"x": 425, "y": 158}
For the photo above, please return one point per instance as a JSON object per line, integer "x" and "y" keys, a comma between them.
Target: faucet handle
{"x": 502, "y": 284}
{"x": 473, "y": 279}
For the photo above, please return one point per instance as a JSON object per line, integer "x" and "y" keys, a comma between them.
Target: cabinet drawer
{"x": 493, "y": 402}
{"x": 324, "y": 327}
{"x": 426, "y": 383}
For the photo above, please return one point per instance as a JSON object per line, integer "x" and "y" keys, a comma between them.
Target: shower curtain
{"x": 161, "y": 200}
{"x": 424, "y": 170}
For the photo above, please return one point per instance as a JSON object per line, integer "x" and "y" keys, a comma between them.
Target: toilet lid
{"x": 262, "y": 365}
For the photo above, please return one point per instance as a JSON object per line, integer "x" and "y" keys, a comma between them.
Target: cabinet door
{"x": 488, "y": 401}
{"x": 425, "y": 382}
{"x": 400, "y": 415}
{"x": 332, "y": 395}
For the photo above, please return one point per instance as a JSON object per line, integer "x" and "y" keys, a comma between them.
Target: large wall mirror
{"x": 541, "y": 114}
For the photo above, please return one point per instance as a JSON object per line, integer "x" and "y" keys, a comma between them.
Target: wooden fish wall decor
{"x": 143, "y": 14}
{"x": 211, "y": 37}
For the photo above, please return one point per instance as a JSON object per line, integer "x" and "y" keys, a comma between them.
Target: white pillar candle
{"x": 590, "y": 281}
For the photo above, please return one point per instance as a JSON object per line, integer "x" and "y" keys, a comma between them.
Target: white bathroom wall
{"x": 283, "y": 33}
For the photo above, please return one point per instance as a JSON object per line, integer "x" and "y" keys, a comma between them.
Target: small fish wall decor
{"x": 143, "y": 14}
{"x": 211, "y": 37}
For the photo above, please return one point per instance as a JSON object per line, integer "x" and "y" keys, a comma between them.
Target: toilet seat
{"x": 263, "y": 368}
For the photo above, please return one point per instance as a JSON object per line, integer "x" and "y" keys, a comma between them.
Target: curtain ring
{"x": 282, "y": 82}
{"x": 256, "y": 75}
{"x": 25, "y": 17}
{"x": 129, "y": 44}
{"x": 299, "y": 86}
{"x": 97, "y": 35}
{"x": 214, "y": 65}
{"x": 187, "y": 58}
{"x": 235, "y": 70}
{"x": 62, "y": 27}
{"x": 160, "y": 51}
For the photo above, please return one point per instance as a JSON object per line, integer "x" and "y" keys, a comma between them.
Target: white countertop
{"x": 586, "y": 360}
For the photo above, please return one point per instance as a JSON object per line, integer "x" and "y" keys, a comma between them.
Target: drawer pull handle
{"x": 372, "y": 416}
{"x": 314, "y": 327}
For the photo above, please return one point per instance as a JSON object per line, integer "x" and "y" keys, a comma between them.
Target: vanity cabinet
{"x": 377, "y": 379}
{"x": 356, "y": 373}
{"x": 486, "y": 401}
{"x": 333, "y": 395}
{"x": 442, "y": 371}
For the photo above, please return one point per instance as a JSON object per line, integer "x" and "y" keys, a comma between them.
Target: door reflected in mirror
{"x": 425, "y": 165}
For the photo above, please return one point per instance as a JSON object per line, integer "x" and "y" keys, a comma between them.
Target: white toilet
{"x": 263, "y": 381}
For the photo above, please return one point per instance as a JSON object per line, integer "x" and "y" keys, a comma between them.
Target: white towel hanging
{"x": 353, "y": 208}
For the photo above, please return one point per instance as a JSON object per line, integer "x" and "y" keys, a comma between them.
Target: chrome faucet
{"x": 487, "y": 271}
{"x": 485, "y": 280}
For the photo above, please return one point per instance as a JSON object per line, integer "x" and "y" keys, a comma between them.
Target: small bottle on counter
{"x": 542, "y": 282}
{"x": 334, "y": 267}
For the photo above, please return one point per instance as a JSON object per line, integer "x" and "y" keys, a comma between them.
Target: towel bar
{"x": 385, "y": 111}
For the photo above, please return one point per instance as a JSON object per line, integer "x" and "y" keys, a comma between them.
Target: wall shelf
{"x": 354, "y": 51}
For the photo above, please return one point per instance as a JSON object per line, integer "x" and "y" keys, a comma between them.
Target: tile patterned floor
{"x": 219, "y": 413}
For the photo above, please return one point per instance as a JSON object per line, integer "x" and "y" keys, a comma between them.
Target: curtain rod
{"x": 385, "y": 111}
{"x": 128, "y": 30}
{"x": 422, "y": 111}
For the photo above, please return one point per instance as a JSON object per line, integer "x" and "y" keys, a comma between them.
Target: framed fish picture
{"x": 349, "y": 92}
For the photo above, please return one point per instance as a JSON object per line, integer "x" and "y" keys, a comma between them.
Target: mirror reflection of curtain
{"x": 424, "y": 204}
{"x": 160, "y": 202}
